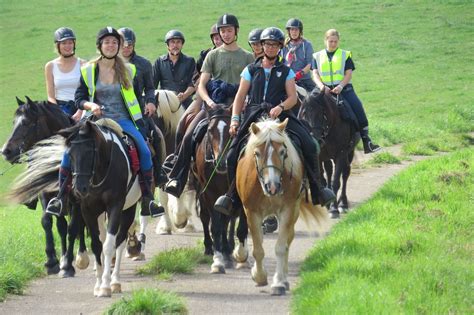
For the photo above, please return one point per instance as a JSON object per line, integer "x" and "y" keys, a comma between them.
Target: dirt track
{"x": 231, "y": 293}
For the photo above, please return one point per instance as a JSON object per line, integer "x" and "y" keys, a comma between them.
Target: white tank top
{"x": 65, "y": 84}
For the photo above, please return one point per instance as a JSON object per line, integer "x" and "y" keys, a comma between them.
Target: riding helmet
{"x": 254, "y": 35}
{"x": 294, "y": 23}
{"x": 128, "y": 35}
{"x": 227, "y": 20}
{"x": 174, "y": 34}
{"x": 213, "y": 30}
{"x": 63, "y": 33}
{"x": 107, "y": 31}
{"x": 272, "y": 33}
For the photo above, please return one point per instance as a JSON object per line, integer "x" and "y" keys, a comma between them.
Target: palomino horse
{"x": 270, "y": 181}
{"x": 35, "y": 121}
{"x": 323, "y": 113}
{"x": 210, "y": 171}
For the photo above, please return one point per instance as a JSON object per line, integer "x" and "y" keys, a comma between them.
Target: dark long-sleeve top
{"x": 175, "y": 77}
{"x": 143, "y": 81}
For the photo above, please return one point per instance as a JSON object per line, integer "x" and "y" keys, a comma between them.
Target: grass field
{"x": 406, "y": 251}
{"x": 414, "y": 72}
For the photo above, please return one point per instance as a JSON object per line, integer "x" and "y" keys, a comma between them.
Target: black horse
{"x": 35, "y": 121}
{"x": 324, "y": 113}
{"x": 210, "y": 171}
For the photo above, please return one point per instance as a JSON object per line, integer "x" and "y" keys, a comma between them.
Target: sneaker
{"x": 156, "y": 209}
{"x": 370, "y": 147}
{"x": 54, "y": 206}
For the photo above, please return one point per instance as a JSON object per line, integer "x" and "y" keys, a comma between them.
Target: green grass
{"x": 408, "y": 250}
{"x": 384, "y": 158}
{"x": 176, "y": 260}
{"x": 414, "y": 67}
{"x": 148, "y": 301}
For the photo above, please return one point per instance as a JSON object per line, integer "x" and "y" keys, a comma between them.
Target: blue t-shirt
{"x": 247, "y": 77}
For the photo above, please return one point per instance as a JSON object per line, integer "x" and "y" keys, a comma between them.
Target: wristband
{"x": 282, "y": 107}
{"x": 235, "y": 118}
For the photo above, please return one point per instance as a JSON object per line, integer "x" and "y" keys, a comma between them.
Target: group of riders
{"x": 120, "y": 85}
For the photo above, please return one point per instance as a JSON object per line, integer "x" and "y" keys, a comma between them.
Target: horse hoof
{"x": 242, "y": 265}
{"x": 334, "y": 214}
{"x": 96, "y": 292}
{"x": 116, "y": 288}
{"x": 105, "y": 292}
{"x": 343, "y": 209}
{"x": 217, "y": 269}
{"x": 82, "y": 260}
{"x": 54, "y": 270}
{"x": 229, "y": 264}
{"x": 278, "y": 291}
{"x": 68, "y": 273}
{"x": 140, "y": 257}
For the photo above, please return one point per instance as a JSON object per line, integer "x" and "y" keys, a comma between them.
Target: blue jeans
{"x": 143, "y": 151}
{"x": 350, "y": 96}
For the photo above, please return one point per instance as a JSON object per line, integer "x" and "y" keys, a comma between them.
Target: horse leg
{"x": 343, "y": 203}
{"x": 82, "y": 258}
{"x": 72, "y": 231}
{"x": 96, "y": 246}
{"x": 127, "y": 219}
{"x": 62, "y": 226}
{"x": 259, "y": 275}
{"x": 205, "y": 220}
{"x": 216, "y": 230}
{"x": 241, "y": 252}
{"x": 286, "y": 234}
{"x": 52, "y": 263}
{"x": 164, "y": 224}
{"x": 226, "y": 247}
{"x": 141, "y": 237}
{"x": 328, "y": 168}
{"x": 336, "y": 183}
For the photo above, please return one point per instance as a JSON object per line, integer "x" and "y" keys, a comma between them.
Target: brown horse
{"x": 270, "y": 181}
{"x": 210, "y": 171}
{"x": 322, "y": 111}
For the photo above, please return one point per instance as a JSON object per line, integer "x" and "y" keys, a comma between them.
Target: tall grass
{"x": 408, "y": 250}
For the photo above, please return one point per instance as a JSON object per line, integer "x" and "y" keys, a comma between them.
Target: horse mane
{"x": 167, "y": 105}
{"x": 46, "y": 108}
{"x": 269, "y": 132}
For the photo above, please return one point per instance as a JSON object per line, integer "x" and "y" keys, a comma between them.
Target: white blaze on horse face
{"x": 18, "y": 121}
{"x": 221, "y": 127}
{"x": 272, "y": 178}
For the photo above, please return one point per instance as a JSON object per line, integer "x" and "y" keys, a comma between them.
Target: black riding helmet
{"x": 128, "y": 35}
{"x": 173, "y": 34}
{"x": 273, "y": 33}
{"x": 254, "y": 35}
{"x": 294, "y": 23}
{"x": 63, "y": 33}
{"x": 104, "y": 32}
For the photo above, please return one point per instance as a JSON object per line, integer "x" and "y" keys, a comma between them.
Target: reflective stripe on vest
{"x": 128, "y": 95}
{"x": 331, "y": 72}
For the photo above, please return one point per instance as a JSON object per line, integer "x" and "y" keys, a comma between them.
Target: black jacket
{"x": 177, "y": 77}
{"x": 143, "y": 81}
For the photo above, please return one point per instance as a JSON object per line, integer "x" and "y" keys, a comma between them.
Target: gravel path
{"x": 205, "y": 293}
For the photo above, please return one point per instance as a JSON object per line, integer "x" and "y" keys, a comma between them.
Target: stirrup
{"x": 54, "y": 207}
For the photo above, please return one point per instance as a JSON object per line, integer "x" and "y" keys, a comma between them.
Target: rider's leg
{"x": 319, "y": 193}
{"x": 56, "y": 204}
{"x": 188, "y": 115}
{"x": 179, "y": 174}
{"x": 146, "y": 171}
{"x": 155, "y": 141}
{"x": 351, "y": 97}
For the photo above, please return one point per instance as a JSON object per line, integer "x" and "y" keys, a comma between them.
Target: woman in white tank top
{"x": 63, "y": 73}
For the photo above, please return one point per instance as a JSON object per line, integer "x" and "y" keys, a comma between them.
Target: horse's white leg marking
{"x": 98, "y": 276}
{"x": 115, "y": 282}
{"x": 285, "y": 232}
{"x": 218, "y": 264}
{"x": 164, "y": 224}
{"x": 259, "y": 275}
{"x": 109, "y": 249}
{"x": 241, "y": 254}
{"x": 143, "y": 225}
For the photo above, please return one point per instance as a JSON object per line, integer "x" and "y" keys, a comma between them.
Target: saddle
{"x": 346, "y": 113}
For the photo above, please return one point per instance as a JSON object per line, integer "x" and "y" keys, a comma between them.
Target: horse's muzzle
{"x": 80, "y": 190}
{"x": 273, "y": 188}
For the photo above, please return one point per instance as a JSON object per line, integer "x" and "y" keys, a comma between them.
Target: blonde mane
{"x": 269, "y": 132}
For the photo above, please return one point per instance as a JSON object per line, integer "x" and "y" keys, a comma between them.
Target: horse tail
{"x": 312, "y": 214}
{"x": 41, "y": 175}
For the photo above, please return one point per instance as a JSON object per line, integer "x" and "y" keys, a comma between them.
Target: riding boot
{"x": 55, "y": 205}
{"x": 159, "y": 172}
{"x": 148, "y": 201}
{"x": 369, "y": 146}
{"x": 319, "y": 194}
{"x": 230, "y": 203}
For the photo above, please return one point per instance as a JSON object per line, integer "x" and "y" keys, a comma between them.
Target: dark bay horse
{"x": 210, "y": 171}
{"x": 35, "y": 121}
{"x": 270, "y": 182}
{"x": 322, "y": 112}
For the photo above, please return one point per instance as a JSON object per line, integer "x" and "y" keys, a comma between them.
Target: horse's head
{"x": 268, "y": 142}
{"x": 34, "y": 121}
{"x": 319, "y": 110}
{"x": 218, "y": 136}
{"x": 81, "y": 142}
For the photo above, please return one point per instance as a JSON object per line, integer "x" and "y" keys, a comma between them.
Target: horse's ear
{"x": 28, "y": 100}
{"x": 20, "y": 102}
{"x": 282, "y": 125}
{"x": 254, "y": 128}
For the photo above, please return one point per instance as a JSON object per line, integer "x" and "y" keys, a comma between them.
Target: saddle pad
{"x": 110, "y": 124}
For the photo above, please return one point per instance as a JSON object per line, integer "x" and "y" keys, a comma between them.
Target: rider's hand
{"x": 234, "y": 127}
{"x": 337, "y": 89}
{"x": 150, "y": 109}
{"x": 96, "y": 110}
{"x": 275, "y": 112}
{"x": 180, "y": 97}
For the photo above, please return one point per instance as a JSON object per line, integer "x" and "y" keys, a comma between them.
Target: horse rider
{"x": 270, "y": 86}
{"x": 297, "y": 53}
{"x": 143, "y": 85}
{"x": 174, "y": 70}
{"x": 223, "y": 63}
{"x": 333, "y": 70}
{"x": 106, "y": 90}
{"x": 254, "y": 42}
{"x": 62, "y": 74}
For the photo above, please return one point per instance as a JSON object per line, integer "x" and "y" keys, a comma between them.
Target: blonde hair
{"x": 331, "y": 32}
{"x": 123, "y": 74}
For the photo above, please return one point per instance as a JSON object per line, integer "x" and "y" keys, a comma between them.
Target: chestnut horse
{"x": 270, "y": 181}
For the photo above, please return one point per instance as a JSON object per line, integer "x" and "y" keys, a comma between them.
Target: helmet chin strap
{"x": 110, "y": 58}
{"x": 68, "y": 56}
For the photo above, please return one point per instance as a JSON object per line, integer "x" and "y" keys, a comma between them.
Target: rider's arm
{"x": 205, "y": 77}
{"x": 48, "y": 74}
{"x": 347, "y": 79}
{"x": 239, "y": 100}
{"x": 317, "y": 79}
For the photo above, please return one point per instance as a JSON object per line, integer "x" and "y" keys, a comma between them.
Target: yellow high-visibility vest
{"x": 128, "y": 95}
{"x": 331, "y": 72}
